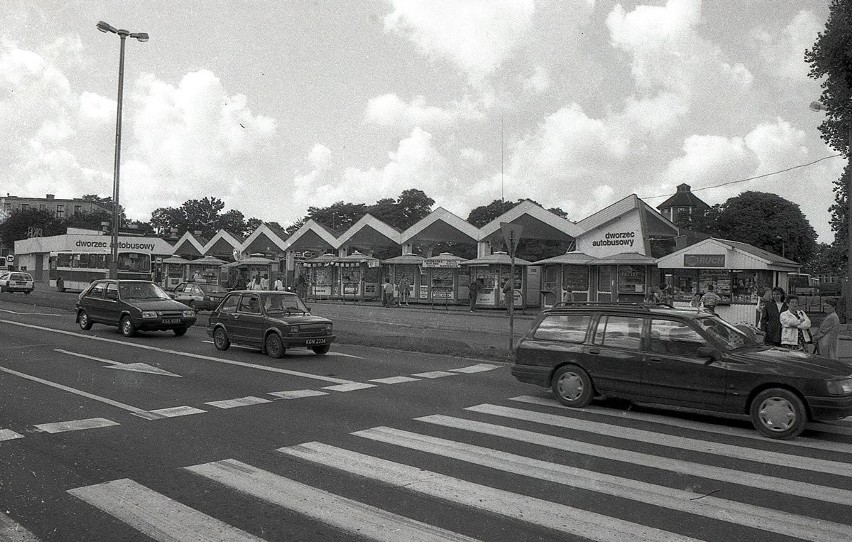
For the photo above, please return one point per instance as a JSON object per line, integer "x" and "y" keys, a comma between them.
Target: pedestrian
{"x": 302, "y": 286}
{"x": 264, "y": 282}
{"x": 667, "y": 297}
{"x": 473, "y": 292}
{"x": 403, "y": 291}
{"x": 770, "y": 319}
{"x": 710, "y": 299}
{"x": 279, "y": 285}
{"x": 828, "y": 333}
{"x": 240, "y": 282}
{"x": 795, "y": 333}
{"x": 508, "y": 294}
{"x": 387, "y": 293}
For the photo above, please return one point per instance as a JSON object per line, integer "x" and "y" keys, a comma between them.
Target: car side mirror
{"x": 711, "y": 354}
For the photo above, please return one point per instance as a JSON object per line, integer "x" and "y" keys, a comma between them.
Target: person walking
{"x": 473, "y": 291}
{"x": 828, "y": 333}
{"x": 710, "y": 299}
{"x": 770, "y": 319}
{"x": 264, "y": 282}
{"x": 387, "y": 293}
{"x": 279, "y": 285}
{"x": 508, "y": 294}
{"x": 795, "y": 333}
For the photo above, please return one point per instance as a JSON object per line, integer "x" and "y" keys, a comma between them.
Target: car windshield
{"x": 731, "y": 337}
{"x": 273, "y": 303}
{"x": 141, "y": 290}
{"x": 212, "y": 289}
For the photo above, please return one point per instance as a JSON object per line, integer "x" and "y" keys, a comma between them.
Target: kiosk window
{"x": 564, "y": 327}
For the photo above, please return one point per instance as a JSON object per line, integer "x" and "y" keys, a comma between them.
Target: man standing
{"x": 403, "y": 291}
{"x": 387, "y": 293}
{"x": 710, "y": 299}
{"x": 473, "y": 290}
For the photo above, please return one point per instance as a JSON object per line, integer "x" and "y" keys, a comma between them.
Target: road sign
{"x": 10, "y": 258}
{"x": 511, "y": 233}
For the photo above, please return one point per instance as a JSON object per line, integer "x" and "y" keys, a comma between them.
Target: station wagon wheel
{"x": 83, "y": 319}
{"x": 322, "y": 349}
{"x": 127, "y": 328}
{"x": 778, "y": 413}
{"x": 274, "y": 346}
{"x": 179, "y": 331}
{"x": 220, "y": 339}
{"x": 572, "y": 386}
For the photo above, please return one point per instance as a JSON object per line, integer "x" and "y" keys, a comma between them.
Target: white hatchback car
{"x": 17, "y": 281}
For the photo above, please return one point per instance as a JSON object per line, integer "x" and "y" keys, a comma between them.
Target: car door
{"x": 94, "y": 303}
{"x": 178, "y": 293}
{"x": 112, "y": 305}
{"x": 249, "y": 321}
{"x": 674, "y": 373}
{"x": 616, "y": 353}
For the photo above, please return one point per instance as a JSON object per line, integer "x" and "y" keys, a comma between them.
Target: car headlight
{"x": 188, "y": 314}
{"x": 149, "y": 314}
{"x": 840, "y": 387}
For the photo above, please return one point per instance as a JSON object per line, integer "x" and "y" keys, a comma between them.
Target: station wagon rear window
{"x": 620, "y": 332}
{"x": 563, "y": 327}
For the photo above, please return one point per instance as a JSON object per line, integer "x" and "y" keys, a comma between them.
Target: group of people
{"x": 786, "y": 325}
{"x": 261, "y": 282}
{"x": 395, "y": 294}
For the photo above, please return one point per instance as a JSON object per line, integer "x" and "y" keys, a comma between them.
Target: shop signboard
{"x": 441, "y": 264}
{"x": 704, "y": 260}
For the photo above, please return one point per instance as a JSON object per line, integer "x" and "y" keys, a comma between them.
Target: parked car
{"x": 16, "y": 281}
{"x": 679, "y": 358}
{"x": 199, "y": 295}
{"x": 132, "y": 305}
{"x": 270, "y": 320}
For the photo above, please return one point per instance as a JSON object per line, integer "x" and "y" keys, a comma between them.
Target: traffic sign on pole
{"x": 511, "y": 234}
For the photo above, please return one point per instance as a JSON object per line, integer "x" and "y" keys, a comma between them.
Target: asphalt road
{"x": 165, "y": 438}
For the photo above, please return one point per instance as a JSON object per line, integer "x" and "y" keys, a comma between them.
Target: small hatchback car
{"x": 679, "y": 358}
{"x": 270, "y": 320}
{"x": 199, "y": 295}
{"x": 132, "y": 305}
{"x": 16, "y": 281}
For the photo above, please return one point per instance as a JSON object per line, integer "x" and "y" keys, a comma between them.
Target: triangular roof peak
{"x": 530, "y": 210}
{"x": 312, "y": 226}
{"x": 188, "y": 237}
{"x": 369, "y": 221}
{"x": 465, "y": 228}
{"x": 270, "y": 233}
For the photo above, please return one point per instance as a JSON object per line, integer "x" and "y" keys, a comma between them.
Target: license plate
{"x": 19, "y": 283}
{"x": 171, "y": 320}
{"x": 322, "y": 340}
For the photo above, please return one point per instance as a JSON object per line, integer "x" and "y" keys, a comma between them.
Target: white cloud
{"x": 391, "y": 110}
{"x": 320, "y": 157}
{"x": 476, "y": 35}
{"x": 783, "y": 53}
{"x": 538, "y": 82}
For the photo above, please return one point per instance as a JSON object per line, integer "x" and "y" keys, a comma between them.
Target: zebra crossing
{"x": 537, "y": 469}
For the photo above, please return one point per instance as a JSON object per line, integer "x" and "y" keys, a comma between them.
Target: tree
{"x": 22, "y": 224}
{"x": 831, "y": 62}
{"x": 204, "y": 215}
{"x": 484, "y": 214}
{"x": 767, "y": 221}
{"x": 338, "y": 216}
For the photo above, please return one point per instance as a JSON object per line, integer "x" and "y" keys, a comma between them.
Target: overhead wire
{"x": 751, "y": 178}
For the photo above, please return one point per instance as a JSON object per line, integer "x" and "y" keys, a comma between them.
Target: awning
{"x": 498, "y": 258}
{"x": 252, "y": 260}
{"x": 569, "y": 258}
{"x": 444, "y": 260}
{"x": 627, "y": 258}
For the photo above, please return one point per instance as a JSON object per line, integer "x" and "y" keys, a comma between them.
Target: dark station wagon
{"x": 132, "y": 305}
{"x": 270, "y": 320}
{"x": 680, "y": 358}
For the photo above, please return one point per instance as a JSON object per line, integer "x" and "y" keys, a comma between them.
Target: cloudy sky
{"x": 275, "y": 106}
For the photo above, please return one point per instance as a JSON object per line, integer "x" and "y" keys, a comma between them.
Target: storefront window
{"x": 631, "y": 279}
{"x": 605, "y": 273}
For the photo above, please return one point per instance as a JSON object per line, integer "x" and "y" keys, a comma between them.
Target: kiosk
{"x": 410, "y": 267}
{"x": 494, "y": 270}
{"x": 445, "y": 283}
{"x": 359, "y": 277}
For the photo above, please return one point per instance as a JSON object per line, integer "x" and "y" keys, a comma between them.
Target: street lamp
{"x": 819, "y": 106}
{"x": 123, "y": 34}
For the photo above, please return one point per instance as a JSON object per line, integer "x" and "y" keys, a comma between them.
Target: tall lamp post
{"x": 123, "y": 34}
{"x": 819, "y": 106}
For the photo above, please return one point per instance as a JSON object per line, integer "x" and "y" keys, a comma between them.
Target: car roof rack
{"x": 613, "y": 304}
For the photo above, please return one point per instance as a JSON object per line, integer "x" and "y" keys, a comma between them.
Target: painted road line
{"x": 744, "y": 514}
{"x": 800, "y": 442}
{"x": 134, "y": 367}
{"x": 12, "y": 531}
{"x": 690, "y": 468}
{"x": 239, "y": 402}
{"x": 434, "y": 374}
{"x": 32, "y": 313}
{"x": 135, "y": 411}
{"x": 352, "y": 517}
{"x": 156, "y": 515}
{"x": 184, "y": 354}
{"x": 394, "y": 380}
{"x": 352, "y": 386}
{"x": 837, "y": 468}
{"x": 478, "y": 368}
{"x": 548, "y": 514}
{"x": 8, "y": 434}
{"x": 173, "y": 412}
{"x": 76, "y": 425}
{"x": 297, "y": 394}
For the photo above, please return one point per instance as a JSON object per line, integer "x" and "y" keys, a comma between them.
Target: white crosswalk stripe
{"x": 529, "y": 446}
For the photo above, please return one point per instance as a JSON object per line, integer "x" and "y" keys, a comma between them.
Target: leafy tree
{"x": 338, "y": 216}
{"x": 484, "y": 214}
{"x": 831, "y": 62}
{"x": 767, "y": 221}
{"x": 204, "y": 215}
{"x": 22, "y": 224}
{"x": 414, "y": 205}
